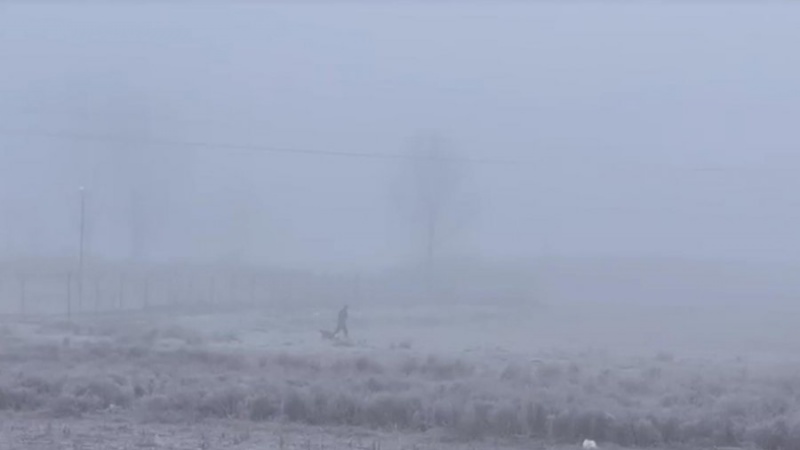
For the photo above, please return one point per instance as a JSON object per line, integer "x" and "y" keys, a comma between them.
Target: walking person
{"x": 341, "y": 324}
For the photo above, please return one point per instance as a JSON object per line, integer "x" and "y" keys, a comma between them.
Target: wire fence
{"x": 38, "y": 289}
{"x": 27, "y": 293}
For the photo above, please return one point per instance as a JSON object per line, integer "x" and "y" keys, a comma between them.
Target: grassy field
{"x": 413, "y": 377}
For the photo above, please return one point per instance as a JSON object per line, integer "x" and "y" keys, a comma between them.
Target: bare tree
{"x": 141, "y": 175}
{"x": 136, "y": 168}
{"x": 437, "y": 173}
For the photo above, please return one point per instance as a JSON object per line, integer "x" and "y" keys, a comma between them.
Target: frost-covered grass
{"x": 172, "y": 374}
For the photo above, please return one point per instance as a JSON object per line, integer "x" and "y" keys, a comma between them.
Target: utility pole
{"x": 81, "y": 242}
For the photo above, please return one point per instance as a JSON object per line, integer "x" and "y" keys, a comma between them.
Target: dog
{"x": 325, "y": 334}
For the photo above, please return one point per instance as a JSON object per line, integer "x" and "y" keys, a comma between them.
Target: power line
{"x": 250, "y": 148}
{"x": 255, "y": 148}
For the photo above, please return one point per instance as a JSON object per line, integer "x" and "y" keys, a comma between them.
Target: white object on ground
{"x": 589, "y": 444}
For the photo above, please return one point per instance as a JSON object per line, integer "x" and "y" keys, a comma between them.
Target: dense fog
{"x": 300, "y": 136}
{"x": 418, "y": 225}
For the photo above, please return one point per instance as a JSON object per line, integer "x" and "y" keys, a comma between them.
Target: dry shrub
{"x": 318, "y": 400}
{"x": 19, "y": 399}
{"x": 69, "y": 406}
{"x": 474, "y": 422}
{"x": 508, "y": 420}
{"x": 361, "y": 365}
{"x": 225, "y": 403}
{"x": 402, "y": 345}
{"x": 777, "y": 434}
{"x": 295, "y": 407}
{"x": 637, "y": 386}
{"x": 391, "y": 411}
{"x": 594, "y": 425}
{"x": 665, "y": 357}
{"x": 136, "y": 352}
{"x": 226, "y": 337}
{"x": 699, "y": 431}
{"x": 670, "y": 430}
{"x": 549, "y": 374}
{"x": 409, "y": 366}
{"x": 103, "y": 393}
{"x": 293, "y": 362}
{"x": 623, "y": 433}
{"x": 386, "y": 384}
{"x": 728, "y": 433}
{"x": 27, "y": 353}
{"x": 437, "y": 368}
{"x": 263, "y": 407}
{"x": 517, "y": 375}
{"x": 106, "y": 352}
{"x": 208, "y": 358}
{"x": 562, "y": 427}
{"x": 178, "y": 333}
{"x": 41, "y": 385}
{"x": 536, "y": 420}
{"x": 177, "y": 407}
{"x": 343, "y": 409}
{"x": 653, "y": 374}
{"x": 774, "y": 435}
{"x": 60, "y": 327}
{"x": 645, "y": 433}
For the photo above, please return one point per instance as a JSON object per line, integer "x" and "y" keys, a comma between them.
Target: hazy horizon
{"x": 637, "y": 130}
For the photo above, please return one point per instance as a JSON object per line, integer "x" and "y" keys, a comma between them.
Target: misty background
{"x": 617, "y": 150}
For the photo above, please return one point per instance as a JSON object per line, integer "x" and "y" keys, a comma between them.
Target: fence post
{"x": 121, "y": 293}
{"x": 174, "y": 289}
{"x": 212, "y": 295}
{"x": 146, "y": 292}
{"x": 252, "y": 290}
{"x": 97, "y": 295}
{"x": 233, "y": 298}
{"x": 357, "y": 288}
{"x": 69, "y": 296}
{"x": 190, "y": 291}
{"x": 22, "y": 294}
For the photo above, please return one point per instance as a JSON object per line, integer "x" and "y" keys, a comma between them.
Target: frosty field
{"x": 409, "y": 378}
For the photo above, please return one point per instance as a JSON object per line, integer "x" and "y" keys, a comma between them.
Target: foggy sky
{"x": 639, "y": 130}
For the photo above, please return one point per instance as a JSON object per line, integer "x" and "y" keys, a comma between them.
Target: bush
{"x": 225, "y": 403}
{"x": 391, "y": 411}
{"x": 474, "y": 420}
{"x": 294, "y": 407}
{"x": 778, "y": 434}
{"x": 536, "y": 420}
{"x": 437, "y": 368}
{"x": 294, "y": 362}
{"x": 178, "y": 407}
{"x": 229, "y": 361}
{"x": 19, "y": 399}
{"x": 42, "y": 386}
{"x": 670, "y": 430}
{"x": 361, "y": 366}
{"x": 518, "y": 375}
{"x": 507, "y": 420}
{"x": 343, "y": 409}
{"x": 645, "y": 433}
{"x": 549, "y": 374}
{"x": 366, "y": 365}
{"x": 263, "y": 407}
{"x": 103, "y": 393}
{"x": 67, "y": 406}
